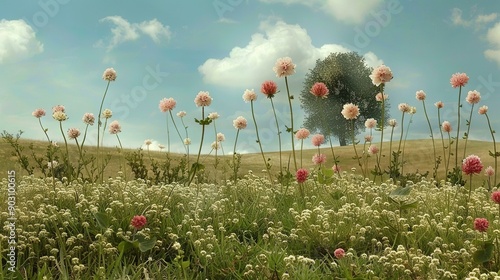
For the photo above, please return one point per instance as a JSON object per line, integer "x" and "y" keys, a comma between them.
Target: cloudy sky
{"x": 55, "y": 51}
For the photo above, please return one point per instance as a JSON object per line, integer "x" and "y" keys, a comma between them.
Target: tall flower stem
{"x": 99, "y": 123}
{"x": 354, "y": 146}
{"x": 432, "y": 137}
{"x": 335, "y": 161}
{"x": 44, "y": 130}
{"x": 235, "y": 169}
{"x": 382, "y": 120}
{"x": 80, "y": 152}
{"x": 279, "y": 134}
{"x": 442, "y": 141}
{"x": 168, "y": 136}
{"x": 291, "y": 122}
{"x": 468, "y": 129}
{"x": 187, "y": 136}
{"x": 260, "y": 145}
{"x": 177, "y": 130}
{"x": 195, "y": 167}
{"x": 66, "y": 158}
{"x": 404, "y": 143}
{"x": 458, "y": 126}
{"x": 449, "y": 153}
{"x": 494, "y": 148}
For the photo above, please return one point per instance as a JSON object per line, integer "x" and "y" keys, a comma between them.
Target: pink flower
{"x": 473, "y": 97}
{"x": 167, "y": 104}
{"x": 221, "y": 137}
{"x": 339, "y": 253}
{"x": 240, "y": 123}
{"x": 249, "y": 95}
{"x": 215, "y": 145}
{"x": 319, "y": 90}
{"x": 73, "y": 133}
{"x": 336, "y": 168}
{"x": 459, "y": 80}
{"x": 446, "y": 126}
{"x": 301, "y": 175}
{"x": 392, "y": 122}
{"x": 472, "y": 165}
{"x": 138, "y": 222}
{"x": 58, "y": 108}
{"x": 404, "y": 107}
{"x": 38, "y": 113}
{"x": 370, "y": 123}
{"x": 319, "y": 159}
{"x": 495, "y": 196}
{"x": 373, "y": 150}
{"x": 88, "y": 118}
{"x": 380, "y": 75}
{"x": 481, "y": 224}
{"x": 213, "y": 115}
{"x": 368, "y": 138}
{"x": 302, "y": 133}
{"x": 380, "y": 95}
{"x": 489, "y": 171}
{"x": 269, "y": 88}
{"x": 109, "y": 74}
{"x": 439, "y": 104}
{"x": 203, "y": 99}
{"x": 318, "y": 139}
{"x": 483, "y": 110}
{"x": 350, "y": 111}
{"x": 115, "y": 127}
{"x": 181, "y": 114}
{"x": 284, "y": 67}
{"x": 420, "y": 95}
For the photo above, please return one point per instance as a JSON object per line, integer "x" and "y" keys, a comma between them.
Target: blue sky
{"x": 55, "y": 51}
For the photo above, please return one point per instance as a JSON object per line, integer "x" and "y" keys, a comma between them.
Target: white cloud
{"x": 477, "y": 21}
{"x": 371, "y": 60}
{"x": 17, "y": 41}
{"x": 493, "y": 37}
{"x": 347, "y": 11}
{"x": 251, "y": 65}
{"x": 124, "y": 31}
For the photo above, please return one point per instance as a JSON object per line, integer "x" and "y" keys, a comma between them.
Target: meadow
{"x": 112, "y": 213}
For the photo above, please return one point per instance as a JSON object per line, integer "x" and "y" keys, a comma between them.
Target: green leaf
{"x": 146, "y": 244}
{"x": 413, "y": 204}
{"x": 401, "y": 191}
{"x": 127, "y": 245}
{"x": 102, "y": 220}
{"x": 484, "y": 253}
{"x": 185, "y": 264}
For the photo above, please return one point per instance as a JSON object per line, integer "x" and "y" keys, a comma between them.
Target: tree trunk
{"x": 342, "y": 141}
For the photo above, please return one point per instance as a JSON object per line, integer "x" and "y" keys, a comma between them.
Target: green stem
{"x": 260, "y": 145}
{"x": 291, "y": 122}
{"x": 99, "y": 120}
{"x": 354, "y": 146}
{"x": 235, "y": 170}
{"x": 458, "y": 127}
{"x": 468, "y": 129}
{"x": 168, "y": 135}
{"x": 382, "y": 120}
{"x": 279, "y": 134}
{"x": 494, "y": 149}
{"x": 195, "y": 169}
{"x": 432, "y": 137}
{"x": 442, "y": 141}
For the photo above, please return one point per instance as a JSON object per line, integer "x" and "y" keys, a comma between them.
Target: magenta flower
{"x": 459, "y": 80}
{"x": 73, "y": 133}
{"x": 381, "y": 75}
{"x": 319, "y": 90}
{"x": 38, "y": 113}
{"x": 472, "y": 165}
{"x": 370, "y": 123}
{"x": 167, "y": 104}
{"x": 446, "y": 126}
{"x": 318, "y": 139}
{"x": 350, "y": 111}
{"x": 203, "y": 99}
{"x": 138, "y": 222}
{"x": 473, "y": 97}
{"x": 249, "y": 95}
{"x": 319, "y": 159}
{"x": 381, "y": 96}
{"x": 240, "y": 123}
{"x": 269, "y": 88}
{"x": 495, "y": 196}
{"x": 420, "y": 95}
{"x": 481, "y": 224}
{"x": 109, "y": 75}
{"x": 339, "y": 253}
{"x": 284, "y": 67}
{"x": 301, "y": 175}
{"x": 88, "y": 118}
{"x": 302, "y": 134}
{"x": 58, "y": 108}
{"x": 115, "y": 127}
{"x": 483, "y": 110}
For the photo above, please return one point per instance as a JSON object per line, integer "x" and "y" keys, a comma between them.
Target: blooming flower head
{"x": 38, "y": 113}
{"x": 413, "y": 110}
{"x": 73, "y": 133}
{"x": 284, "y": 67}
{"x": 495, "y": 196}
{"x": 181, "y": 114}
{"x": 381, "y": 96}
{"x": 148, "y": 142}
{"x": 221, "y": 137}
{"x": 302, "y": 133}
{"x": 336, "y": 168}
{"x": 203, "y": 99}
{"x": 187, "y": 141}
{"x": 107, "y": 113}
{"x": 483, "y": 110}
{"x": 473, "y": 97}
{"x": 350, "y": 111}
{"x": 481, "y": 224}
{"x": 138, "y": 222}
{"x": 380, "y": 75}
{"x": 301, "y": 175}
{"x": 58, "y": 108}
{"x": 404, "y": 107}
{"x": 249, "y": 95}
{"x": 319, "y": 90}
{"x": 88, "y": 118}
{"x": 373, "y": 150}
{"x": 161, "y": 146}
{"x": 370, "y": 123}
{"x": 240, "y": 123}
{"x": 459, "y": 80}
{"x": 319, "y": 159}
{"x": 213, "y": 116}
{"x": 318, "y": 139}
{"x": 215, "y": 145}
{"x": 368, "y": 138}
{"x": 167, "y": 104}
{"x": 60, "y": 116}
{"x": 115, "y": 127}
{"x": 439, "y": 104}
{"x": 472, "y": 165}
{"x": 109, "y": 75}
{"x": 339, "y": 253}
{"x": 446, "y": 126}
{"x": 269, "y": 88}
{"x": 489, "y": 171}
{"x": 392, "y": 122}
{"x": 420, "y": 95}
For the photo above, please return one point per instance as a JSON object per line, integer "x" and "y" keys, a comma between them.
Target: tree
{"x": 347, "y": 77}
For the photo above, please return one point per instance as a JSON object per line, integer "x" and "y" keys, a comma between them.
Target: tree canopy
{"x": 346, "y": 75}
